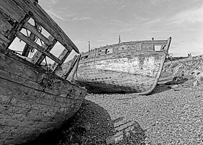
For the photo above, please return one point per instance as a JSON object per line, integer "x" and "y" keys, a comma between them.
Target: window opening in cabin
{"x": 110, "y": 51}
{"x": 23, "y": 49}
{"x": 106, "y": 51}
{"x": 36, "y": 36}
{"x": 157, "y": 47}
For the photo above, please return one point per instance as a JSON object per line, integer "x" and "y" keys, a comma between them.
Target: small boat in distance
{"x": 180, "y": 67}
{"x": 127, "y": 67}
{"x": 33, "y": 99}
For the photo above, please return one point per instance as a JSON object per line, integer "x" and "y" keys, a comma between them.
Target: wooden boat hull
{"x": 126, "y": 72}
{"x": 127, "y": 67}
{"x": 29, "y": 105}
{"x": 33, "y": 99}
{"x": 180, "y": 67}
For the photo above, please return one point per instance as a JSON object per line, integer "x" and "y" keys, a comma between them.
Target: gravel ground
{"x": 170, "y": 115}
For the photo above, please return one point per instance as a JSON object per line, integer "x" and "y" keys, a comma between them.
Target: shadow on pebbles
{"x": 92, "y": 125}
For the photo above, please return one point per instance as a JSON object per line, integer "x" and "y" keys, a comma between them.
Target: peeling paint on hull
{"x": 137, "y": 74}
{"x": 127, "y": 67}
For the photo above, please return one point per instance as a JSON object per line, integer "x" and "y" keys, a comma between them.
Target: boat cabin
{"x": 139, "y": 46}
{"x": 27, "y": 21}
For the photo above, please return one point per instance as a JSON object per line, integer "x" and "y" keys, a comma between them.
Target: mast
{"x": 153, "y": 47}
{"x": 89, "y": 46}
{"x": 119, "y": 40}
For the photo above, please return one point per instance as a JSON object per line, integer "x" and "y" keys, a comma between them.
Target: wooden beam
{"x": 70, "y": 68}
{"x": 28, "y": 26}
{"x": 166, "y": 48}
{"x": 62, "y": 57}
{"x": 36, "y": 46}
{"x": 27, "y": 48}
{"x": 38, "y": 56}
{"x": 155, "y": 42}
{"x": 47, "y": 23}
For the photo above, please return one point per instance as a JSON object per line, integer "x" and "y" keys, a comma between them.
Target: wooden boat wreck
{"x": 33, "y": 99}
{"x": 127, "y": 67}
{"x": 176, "y": 68}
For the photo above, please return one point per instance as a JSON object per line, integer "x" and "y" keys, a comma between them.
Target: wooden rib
{"x": 36, "y": 46}
{"x": 38, "y": 56}
{"x": 12, "y": 10}
{"x": 27, "y": 48}
{"x": 62, "y": 57}
{"x": 38, "y": 34}
{"x": 47, "y": 23}
{"x": 70, "y": 67}
{"x": 166, "y": 48}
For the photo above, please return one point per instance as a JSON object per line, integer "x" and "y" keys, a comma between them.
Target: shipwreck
{"x": 127, "y": 67}
{"x": 177, "y": 68}
{"x": 33, "y": 99}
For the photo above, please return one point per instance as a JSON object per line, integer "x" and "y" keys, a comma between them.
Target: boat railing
{"x": 139, "y": 46}
{"x": 15, "y": 15}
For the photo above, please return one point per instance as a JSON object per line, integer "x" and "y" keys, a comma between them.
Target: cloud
{"x": 54, "y": 1}
{"x": 153, "y": 21}
{"x": 80, "y": 19}
{"x": 64, "y": 17}
{"x": 192, "y": 16}
{"x": 50, "y": 12}
{"x": 155, "y": 1}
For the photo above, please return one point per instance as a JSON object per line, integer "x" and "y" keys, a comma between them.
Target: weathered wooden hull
{"x": 127, "y": 67}
{"x": 33, "y": 100}
{"x": 126, "y": 72}
{"x": 29, "y": 105}
{"x": 184, "y": 66}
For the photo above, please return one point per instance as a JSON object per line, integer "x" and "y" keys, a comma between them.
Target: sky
{"x": 102, "y": 21}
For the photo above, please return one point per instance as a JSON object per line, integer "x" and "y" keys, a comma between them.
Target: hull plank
{"x": 129, "y": 67}
{"x": 16, "y": 13}
{"x": 30, "y": 111}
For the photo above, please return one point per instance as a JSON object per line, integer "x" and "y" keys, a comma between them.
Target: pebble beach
{"x": 171, "y": 115}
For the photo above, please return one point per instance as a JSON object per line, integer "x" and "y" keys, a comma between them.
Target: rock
{"x": 83, "y": 139}
{"x": 174, "y": 86}
{"x": 198, "y": 76}
{"x": 86, "y": 126}
{"x": 112, "y": 140}
{"x": 195, "y": 83}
